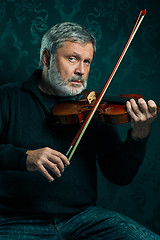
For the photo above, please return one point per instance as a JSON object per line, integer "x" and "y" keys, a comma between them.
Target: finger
{"x": 61, "y": 156}
{"x": 132, "y": 113}
{"x": 55, "y": 160}
{"x": 56, "y": 157}
{"x": 45, "y": 173}
{"x": 54, "y": 168}
{"x": 135, "y": 107}
{"x": 149, "y": 110}
{"x": 152, "y": 107}
{"x": 143, "y": 105}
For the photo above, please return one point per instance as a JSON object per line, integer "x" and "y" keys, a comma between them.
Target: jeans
{"x": 93, "y": 223}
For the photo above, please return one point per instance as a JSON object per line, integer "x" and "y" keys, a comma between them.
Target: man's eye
{"x": 71, "y": 59}
{"x": 87, "y": 62}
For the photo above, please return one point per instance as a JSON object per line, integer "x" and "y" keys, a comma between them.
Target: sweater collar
{"x": 32, "y": 85}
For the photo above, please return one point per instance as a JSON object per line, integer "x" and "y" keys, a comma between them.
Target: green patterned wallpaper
{"x": 22, "y": 24}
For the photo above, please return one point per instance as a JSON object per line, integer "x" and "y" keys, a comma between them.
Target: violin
{"x": 111, "y": 109}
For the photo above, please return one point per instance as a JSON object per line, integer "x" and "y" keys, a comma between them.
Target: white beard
{"x": 60, "y": 87}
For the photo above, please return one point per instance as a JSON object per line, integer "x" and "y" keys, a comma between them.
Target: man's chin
{"x": 69, "y": 90}
{"x": 73, "y": 91}
{"x": 77, "y": 90}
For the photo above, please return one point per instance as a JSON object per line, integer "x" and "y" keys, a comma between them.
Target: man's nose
{"x": 80, "y": 69}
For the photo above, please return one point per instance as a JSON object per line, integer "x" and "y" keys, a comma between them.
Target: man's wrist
{"x": 140, "y": 135}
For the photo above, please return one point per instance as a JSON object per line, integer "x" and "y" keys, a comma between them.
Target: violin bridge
{"x": 91, "y": 97}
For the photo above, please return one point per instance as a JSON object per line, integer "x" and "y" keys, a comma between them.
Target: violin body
{"x": 110, "y": 110}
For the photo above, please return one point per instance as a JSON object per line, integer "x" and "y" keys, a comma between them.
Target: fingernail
{"x": 152, "y": 105}
{"x": 51, "y": 180}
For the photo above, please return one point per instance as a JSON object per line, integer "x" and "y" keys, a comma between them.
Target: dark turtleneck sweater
{"x": 26, "y": 124}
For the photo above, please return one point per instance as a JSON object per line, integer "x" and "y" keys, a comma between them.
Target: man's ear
{"x": 46, "y": 58}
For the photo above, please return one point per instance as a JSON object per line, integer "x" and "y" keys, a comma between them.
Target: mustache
{"x": 75, "y": 78}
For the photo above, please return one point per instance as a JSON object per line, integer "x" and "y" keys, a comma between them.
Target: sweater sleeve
{"x": 11, "y": 157}
{"x": 119, "y": 161}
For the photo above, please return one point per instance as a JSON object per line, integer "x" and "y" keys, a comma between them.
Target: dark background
{"x": 22, "y": 24}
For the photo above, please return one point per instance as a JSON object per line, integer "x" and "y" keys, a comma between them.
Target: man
{"x": 38, "y": 199}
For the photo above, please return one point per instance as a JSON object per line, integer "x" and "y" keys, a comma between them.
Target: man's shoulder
{"x": 10, "y": 89}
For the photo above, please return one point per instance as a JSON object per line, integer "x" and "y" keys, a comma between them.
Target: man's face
{"x": 69, "y": 71}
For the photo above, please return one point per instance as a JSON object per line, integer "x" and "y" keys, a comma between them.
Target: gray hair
{"x": 66, "y": 31}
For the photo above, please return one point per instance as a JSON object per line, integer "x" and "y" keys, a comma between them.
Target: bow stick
{"x": 85, "y": 124}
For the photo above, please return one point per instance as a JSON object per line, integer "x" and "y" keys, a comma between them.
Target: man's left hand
{"x": 142, "y": 115}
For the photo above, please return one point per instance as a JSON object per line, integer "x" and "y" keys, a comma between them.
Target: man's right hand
{"x": 46, "y": 158}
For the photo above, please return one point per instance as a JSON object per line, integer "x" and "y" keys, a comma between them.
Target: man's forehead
{"x": 77, "y": 47}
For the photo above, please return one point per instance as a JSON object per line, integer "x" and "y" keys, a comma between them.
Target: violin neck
{"x": 117, "y": 99}
{"x": 123, "y": 100}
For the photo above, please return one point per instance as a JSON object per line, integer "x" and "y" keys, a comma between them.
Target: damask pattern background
{"x": 22, "y": 24}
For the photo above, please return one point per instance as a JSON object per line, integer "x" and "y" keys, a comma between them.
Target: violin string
{"x": 85, "y": 124}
